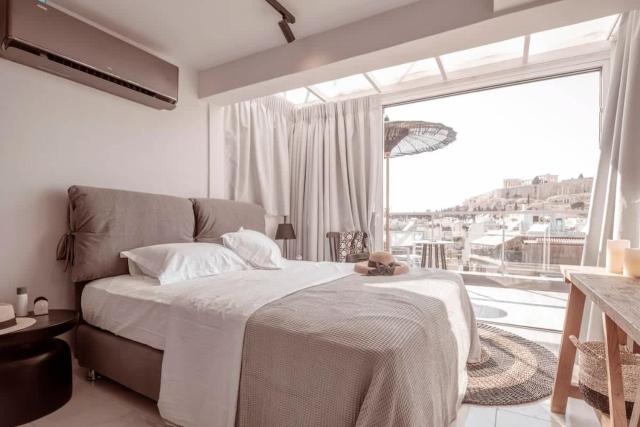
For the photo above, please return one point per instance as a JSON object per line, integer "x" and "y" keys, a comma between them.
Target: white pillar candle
{"x": 615, "y": 255}
{"x": 632, "y": 263}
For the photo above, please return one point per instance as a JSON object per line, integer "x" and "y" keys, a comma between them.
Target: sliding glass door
{"x": 511, "y": 194}
{"x": 506, "y": 203}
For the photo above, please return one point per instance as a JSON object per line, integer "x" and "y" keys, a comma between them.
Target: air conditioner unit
{"x": 41, "y": 36}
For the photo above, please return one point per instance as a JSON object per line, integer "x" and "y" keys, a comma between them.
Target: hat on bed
{"x": 9, "y": 322}
{"x": 381, "y": 264}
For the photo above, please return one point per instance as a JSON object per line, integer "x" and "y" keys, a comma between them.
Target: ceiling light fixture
{"x": 287, "y": 18}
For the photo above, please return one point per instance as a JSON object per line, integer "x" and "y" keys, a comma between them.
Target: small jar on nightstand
{"x": 22, "y": 302}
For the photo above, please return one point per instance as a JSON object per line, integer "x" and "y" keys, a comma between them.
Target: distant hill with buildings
{"x": 540, "y": 192}
{"x": 504, "y": 230}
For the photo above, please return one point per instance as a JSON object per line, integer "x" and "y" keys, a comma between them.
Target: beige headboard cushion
{"x": 215, "y": 217}
{"x": 104, "y": 222}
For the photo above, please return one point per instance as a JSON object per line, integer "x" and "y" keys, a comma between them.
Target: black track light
{"x": 287, "y": 18}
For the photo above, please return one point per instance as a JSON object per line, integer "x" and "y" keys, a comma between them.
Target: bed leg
{"x": 91, "y": 375}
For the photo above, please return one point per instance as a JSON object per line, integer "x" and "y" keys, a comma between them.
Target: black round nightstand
{"x": 35, "y": 368}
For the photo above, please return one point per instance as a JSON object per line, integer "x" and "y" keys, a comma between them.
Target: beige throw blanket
{"x": 360, "y": 351}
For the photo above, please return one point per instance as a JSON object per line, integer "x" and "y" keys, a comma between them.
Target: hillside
{"x": 535, "y": 194}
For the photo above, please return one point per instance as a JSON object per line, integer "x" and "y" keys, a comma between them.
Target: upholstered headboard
{"x": 215, "y": 217}
{"x": 104, "y": 222}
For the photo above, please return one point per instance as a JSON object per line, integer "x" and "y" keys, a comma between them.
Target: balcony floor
{"x": 525, "y": 308}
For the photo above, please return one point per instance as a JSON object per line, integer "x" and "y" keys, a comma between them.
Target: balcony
{"x": 505, "y": 248}
{"x": 510, "y": 260}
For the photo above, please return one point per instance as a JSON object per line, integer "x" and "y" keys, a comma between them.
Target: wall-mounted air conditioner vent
{"x": 46, "y": 38}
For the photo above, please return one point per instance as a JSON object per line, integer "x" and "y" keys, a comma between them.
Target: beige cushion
{"x": 215, "y": 217}
{"x": 106, "y": 222}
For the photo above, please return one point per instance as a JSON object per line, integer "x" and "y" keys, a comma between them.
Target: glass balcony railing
{"x": 524, "y": 243}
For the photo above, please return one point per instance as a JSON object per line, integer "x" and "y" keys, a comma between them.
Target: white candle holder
{"x": 615, "y": 255}
{"x": 632, "y": 263}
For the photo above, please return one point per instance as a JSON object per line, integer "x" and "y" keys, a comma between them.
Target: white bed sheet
{"x": 205, "y": 333}
{"x": 137, "y": 307}
{"x": 133, "y": 307}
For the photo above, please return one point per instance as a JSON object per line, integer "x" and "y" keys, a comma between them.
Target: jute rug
{"x": 513, "y": 370}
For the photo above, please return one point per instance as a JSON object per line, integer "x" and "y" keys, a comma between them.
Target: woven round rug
{"x": 513, "y": 370}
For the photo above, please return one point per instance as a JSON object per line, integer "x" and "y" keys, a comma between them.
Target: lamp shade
{"x": 285, "y": 231}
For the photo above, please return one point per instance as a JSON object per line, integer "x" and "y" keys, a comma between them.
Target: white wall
{"x": 55, "y": 133}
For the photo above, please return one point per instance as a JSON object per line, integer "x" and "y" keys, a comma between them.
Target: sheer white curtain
{"x": 336, "y": 167}
{"x": 615, "y": 204}
{"x": 256, "y": 163}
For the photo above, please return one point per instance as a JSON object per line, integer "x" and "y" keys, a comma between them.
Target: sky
{"x": 549, "y": 126}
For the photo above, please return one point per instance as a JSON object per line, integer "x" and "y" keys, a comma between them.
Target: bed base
{"x": 134, "y": 365}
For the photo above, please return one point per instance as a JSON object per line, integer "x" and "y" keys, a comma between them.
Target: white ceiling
{"x": 205, "y": 33}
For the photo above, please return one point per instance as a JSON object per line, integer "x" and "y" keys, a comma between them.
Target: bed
{"x": 311, "y": 344}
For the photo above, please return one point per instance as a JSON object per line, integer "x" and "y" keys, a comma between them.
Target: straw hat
{"x": 10, "y": 323}
{"x": 381, "y": 264}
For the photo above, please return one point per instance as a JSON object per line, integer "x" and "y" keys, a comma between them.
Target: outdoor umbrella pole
{"x": 388, "y": 220}
{"x": 406, "y": 138}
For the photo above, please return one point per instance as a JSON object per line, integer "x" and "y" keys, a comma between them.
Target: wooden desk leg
{"x": 567, "y": 357}
{"x": 635, "y": 415}
{"x": 614, "y": 373}
{"x": 622, "y": 337}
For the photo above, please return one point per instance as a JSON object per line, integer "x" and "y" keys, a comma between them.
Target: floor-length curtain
{"x": 615, "y": 204}
{"x": 256, "y": 164}
{"x": 336, "y": 160}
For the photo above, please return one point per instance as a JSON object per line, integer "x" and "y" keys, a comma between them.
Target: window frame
{"x": 595, "y": 62}
{"x": 599, "y": 61}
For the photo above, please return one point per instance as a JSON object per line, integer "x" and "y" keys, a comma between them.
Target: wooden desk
{"x": 619, "y": 299}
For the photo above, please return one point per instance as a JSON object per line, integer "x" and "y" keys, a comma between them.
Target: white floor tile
{"x": 102, "y": 403}
{"x": 477, "y": 416}
{"x": 512, "y": 419}
{"x": 578, "y": 414}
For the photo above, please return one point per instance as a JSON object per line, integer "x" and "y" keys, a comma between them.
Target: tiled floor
{"x": 102, "y": 403}
{"x": 107, "y": 404}
{"x": 535, "y": 414}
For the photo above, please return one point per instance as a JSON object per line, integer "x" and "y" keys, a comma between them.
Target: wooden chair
{"x": 354, "y": 248}
{"x": 434, "y": 255}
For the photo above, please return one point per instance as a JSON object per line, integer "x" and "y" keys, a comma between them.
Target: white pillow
{"x": 255, "y": 248}
{"x": 175, "y": 262}
{"x": 135, "y": 269}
